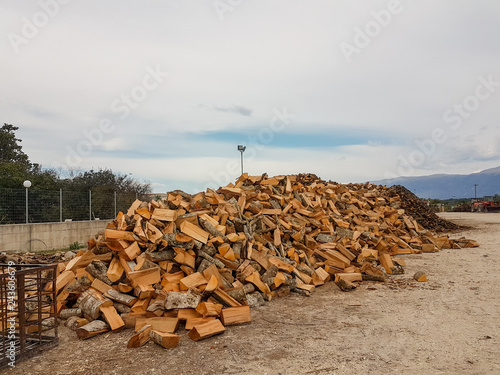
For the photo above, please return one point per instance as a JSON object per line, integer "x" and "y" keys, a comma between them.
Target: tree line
{"x": 44, "y": 202}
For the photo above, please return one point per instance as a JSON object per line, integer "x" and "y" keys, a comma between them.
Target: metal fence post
{"x": 115, "y": 203}
{"x": 90, "y": 205}
{"x": 60, "y": 205}
{"x": 26, "y": 205}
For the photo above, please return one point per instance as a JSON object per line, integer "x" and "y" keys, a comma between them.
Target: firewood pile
{"x": 422, "y": 213}
{"x": 201, "y": 261}
{"x": 32, "y": 258}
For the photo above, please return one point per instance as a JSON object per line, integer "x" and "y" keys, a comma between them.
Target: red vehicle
{"x": 485, "y": 206}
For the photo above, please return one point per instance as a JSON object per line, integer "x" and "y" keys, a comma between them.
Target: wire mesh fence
{"x": 19, "y": 206}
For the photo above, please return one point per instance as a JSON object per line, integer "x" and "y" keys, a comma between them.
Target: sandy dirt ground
{"x": 448, "y": 325}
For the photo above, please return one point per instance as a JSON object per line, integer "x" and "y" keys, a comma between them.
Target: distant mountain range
{"x": 444, "y": 186}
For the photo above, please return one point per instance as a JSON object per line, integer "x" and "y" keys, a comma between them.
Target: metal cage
{"x": 28, "y": 322}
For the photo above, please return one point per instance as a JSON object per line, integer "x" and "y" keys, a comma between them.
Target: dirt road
{"x": 449, "y": 325}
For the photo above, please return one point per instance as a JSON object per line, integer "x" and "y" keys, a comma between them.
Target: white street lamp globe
{"x": 27, "y": 184}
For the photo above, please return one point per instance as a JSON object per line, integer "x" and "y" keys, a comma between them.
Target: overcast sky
{"x": 166, "y": 90}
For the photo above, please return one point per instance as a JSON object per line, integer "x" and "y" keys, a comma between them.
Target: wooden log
{"x": 182, "y": 300}
{"x": 184, "y": 314}
{"x": 68, "y": 313}
{"x": 213, "y": 283}
{"x": 124, "y": 288}
{"x": 140, "y": 338}
{"x": 254, "y": 278}
{"x": 115, "y": 270}
{"x": 90, "y": 302}
{"x": 209, "y": 309}
{"x": 210, "y": 228}
{"x": 75, "y": 322}
{"x": 162, "y": 324}
{"x": 224, "y": 298}
{"x": 112, "y": 234}
{"x": 235, "y": 315}
{"x": 386, "y": 262}
{"x": 150, "y": 276}
{"x": 194, "y": 231}
{"x": 131, "y": 252}
{"x": 206, "y": 330}
{"x": 101, "y": 286}
{"x": 99, "y": 270}
{"x": 167, "y": 340}
{"x": 351, "y": 276}
{"x": 345, "y": 285}
{"x": 80, "y": 261}
{"x": 164, "y": 214}
{"x": 143, "y": 291}
{"x": 79, "y": 285}
{"x": 112, "y": 317}
{"x": 62, "y": 280}
{"x": 121, "y": 309}
{"x": 91, "y": 329}
{"x": 122, "y": 298}
{"x": 185, "y": 258}
{"x": 192, "y": 281}
{"x": 191, "y": 322}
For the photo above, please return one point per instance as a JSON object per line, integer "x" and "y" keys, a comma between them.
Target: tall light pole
{"x": 27, "y": 185}
{"x": 475, "y": 191}
{"x": 241, "y": 149}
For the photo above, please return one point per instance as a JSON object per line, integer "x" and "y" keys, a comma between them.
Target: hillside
{"x": 444, "y": 186}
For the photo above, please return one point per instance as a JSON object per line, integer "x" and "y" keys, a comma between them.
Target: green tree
{"x": 15, "y": 167}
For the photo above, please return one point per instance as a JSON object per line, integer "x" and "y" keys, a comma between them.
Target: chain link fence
{"x": 19, "y": 206}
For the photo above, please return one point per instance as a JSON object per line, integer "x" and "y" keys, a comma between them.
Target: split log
{"x": 345, "y": 285}
{"x": 98, "y": 269}
{"x": 224, "y": 298}
{"x": 206, "y": 330}
{"x": 236, "y": 315}
{"x": 209, "y": 309}
{"x": 140, "y": 338}
{"x": 122, "y": 298}
{"x": 182, "y": 300}
{"x": 191, "y": 322}
{"x": 111, "y": 316}
{"x": 167, "y": 340}
{"x": 101, "y": 286}
{"x": 162, "y": 324}
{"x": 90, "y": 302}
{"x": 115, "y": 270}
{"x": 121, "y": 309}
{"x": 75, "y": 322}
{"x": 91, "y": 329}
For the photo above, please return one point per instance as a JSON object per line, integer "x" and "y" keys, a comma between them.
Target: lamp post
{"x": 241, "y": 149}
{"x": 27, "y": 185}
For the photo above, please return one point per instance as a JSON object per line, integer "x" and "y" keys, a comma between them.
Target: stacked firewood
{"x": 202, "y": 260}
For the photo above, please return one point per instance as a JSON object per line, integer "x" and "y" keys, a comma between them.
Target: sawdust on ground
{"x": 448, "y": 325}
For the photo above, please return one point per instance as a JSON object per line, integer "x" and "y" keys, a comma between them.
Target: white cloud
{"x": 264, "y": 55}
